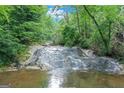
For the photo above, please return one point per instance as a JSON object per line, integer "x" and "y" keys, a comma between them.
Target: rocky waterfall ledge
{"x": 54, "y": 57}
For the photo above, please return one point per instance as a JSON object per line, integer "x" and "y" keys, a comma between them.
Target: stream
{"x": 65, "y": 67}
{"x": 75, "y": 79}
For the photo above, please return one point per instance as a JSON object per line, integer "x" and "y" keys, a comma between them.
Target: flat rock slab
{"x": 53, "y": 57}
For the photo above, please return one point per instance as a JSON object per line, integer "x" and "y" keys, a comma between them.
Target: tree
{"x": 21, "y": 26}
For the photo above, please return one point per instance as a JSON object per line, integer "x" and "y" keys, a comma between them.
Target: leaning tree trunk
{"x": 98, "y": 27}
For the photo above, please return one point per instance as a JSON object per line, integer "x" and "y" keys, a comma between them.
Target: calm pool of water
{"x": 93, "y": 80}
{"x": 23, "y": 79}
{"x": 41, "y": 79}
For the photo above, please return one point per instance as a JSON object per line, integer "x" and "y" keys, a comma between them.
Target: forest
{"x": 99, "y": 28}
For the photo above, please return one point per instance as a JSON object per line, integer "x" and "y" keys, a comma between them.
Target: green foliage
{"x": 28, "y": 23}
{"x": 21, "y": 26}
{"x": 9, "y": 48}
{"x": 69, "y": 36}
{"x": 93, "y": 27}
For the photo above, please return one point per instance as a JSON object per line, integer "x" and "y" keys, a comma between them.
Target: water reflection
{"x": 56, "y": 78}
{"x": 24, "y": 79}
{"x": 79, "y": 79}
{"x": 59, "y": 78}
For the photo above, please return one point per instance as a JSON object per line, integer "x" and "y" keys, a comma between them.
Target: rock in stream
{"x": 54, "y": 57}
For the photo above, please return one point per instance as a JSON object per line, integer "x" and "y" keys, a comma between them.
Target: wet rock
{"x": 103, "y": 64}
{"x": 53, "y": 57}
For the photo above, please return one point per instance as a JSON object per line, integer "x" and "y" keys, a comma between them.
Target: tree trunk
{"x": 97, "y": 25}
{"x": 78, "y": 23}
